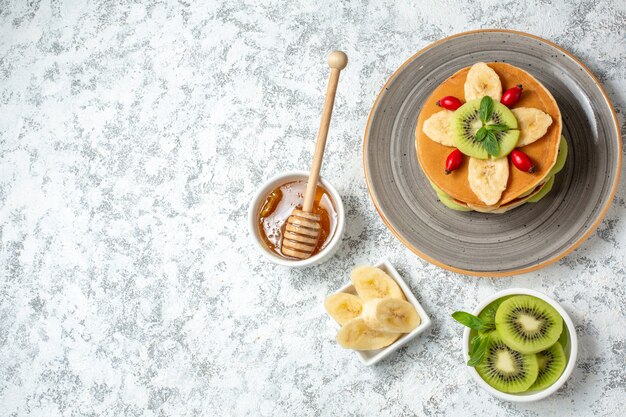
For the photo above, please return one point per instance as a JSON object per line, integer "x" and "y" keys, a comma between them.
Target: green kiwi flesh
{"x": 558, "y": 166}
{"x": 547, "y": 187}
{"x": 466, "y": 122}
{"x": 564, "y": 338}
{"x": 488, "y": 313}
{"x": 506, "y": 369}
{"x": 551, "y": 363}
{"x": 528, "y": 324}
{"x": 560, "y": 158}
{"x": 447, "y": 201}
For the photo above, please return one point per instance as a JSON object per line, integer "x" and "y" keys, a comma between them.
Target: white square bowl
{"x": 370, "y": 357}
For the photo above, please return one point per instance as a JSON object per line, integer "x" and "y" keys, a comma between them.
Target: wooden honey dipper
{"x": 303, "y": 226}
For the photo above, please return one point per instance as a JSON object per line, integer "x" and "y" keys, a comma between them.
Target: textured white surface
{"x": 132, "y": 136}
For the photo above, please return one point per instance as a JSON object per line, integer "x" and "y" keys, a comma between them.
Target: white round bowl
{"x": 259, "y": 199}
{"x": 570, "y": 352}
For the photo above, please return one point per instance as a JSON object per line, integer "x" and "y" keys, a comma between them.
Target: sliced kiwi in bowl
{"x": 528, "y": 324}
{"x": 551, "y": 362}
{"x": 564, "y": 339}
{"x": 519, "y": 345}
{"x": 488, "y": 314}
{"x": 466, "y": 123}
{"x": 506, "y": 369}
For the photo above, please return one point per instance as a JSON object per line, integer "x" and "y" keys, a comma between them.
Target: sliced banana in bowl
{"x": 376, "y": 312}
{"x": 372, "y": 282}
{"x": 357, "y": 335}
{"x": 343, "y": 307}
{"x": 390, "y": 315}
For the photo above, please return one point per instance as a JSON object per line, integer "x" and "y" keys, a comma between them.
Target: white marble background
{"x": 132, "y": 136}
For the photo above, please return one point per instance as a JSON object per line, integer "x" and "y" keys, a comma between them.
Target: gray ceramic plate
{"x": 523, "y": 239}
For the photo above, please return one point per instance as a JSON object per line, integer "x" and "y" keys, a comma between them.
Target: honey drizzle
{"x": 281, "y": 202}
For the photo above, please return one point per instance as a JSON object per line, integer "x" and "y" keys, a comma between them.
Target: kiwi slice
{"x": 547, "y": 187}
{"x": 560, "y": 158}
{"x": 506, "y": 369}
{"x": 488, "y": 314}
{"x": 466, "y": 122}
{"x": 564, "y": 338}
{"x": 558, "y": 166}
{"x": 551, "y": 363}
{"x": 447, "y": 201}
{"x": 528, "y": 324}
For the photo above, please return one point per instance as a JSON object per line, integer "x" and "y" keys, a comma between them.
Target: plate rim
{"x": 557, "y": 256}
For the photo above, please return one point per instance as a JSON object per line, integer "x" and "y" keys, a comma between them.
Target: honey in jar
{"x": 279, "y": 205}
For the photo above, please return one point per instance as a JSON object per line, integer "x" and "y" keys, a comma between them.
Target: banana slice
{"x": 343, "y": 307}
{"x": 371, "y": 282}
{"x": 482, "y": 81}
{"x": 483, "y": 209}
{"x": 487, "y": 178}
{"x": 357, "y": 335}
{"x": 390, "y": 315}
{"x": 533, "y": 124}
{"x": 437, "y": 127}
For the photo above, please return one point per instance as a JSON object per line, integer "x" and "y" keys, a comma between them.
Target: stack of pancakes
{"x": 521, "y": 185}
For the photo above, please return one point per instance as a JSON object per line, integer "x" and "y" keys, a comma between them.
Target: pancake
{"x": 492, "y": 209}
{"x": 543, "y": 152}
{"x": 522, "y": 199}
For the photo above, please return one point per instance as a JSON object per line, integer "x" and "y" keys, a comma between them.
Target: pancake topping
{"x": 486, "y": 131}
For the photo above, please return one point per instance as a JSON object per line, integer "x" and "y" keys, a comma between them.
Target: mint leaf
{"x": 480, "y": 135}
{"x": 478, "y": 353}
{"x": 486, "y": 107}
{"x": 491, "y": 144}
{"x": 498, "y": 128}
{"x": 474, "y": 344}
{"x": 468, "y": 320}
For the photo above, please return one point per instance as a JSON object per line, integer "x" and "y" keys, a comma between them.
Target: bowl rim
{"x": 569, "y": 368}
{"x": 325, "y": 253}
